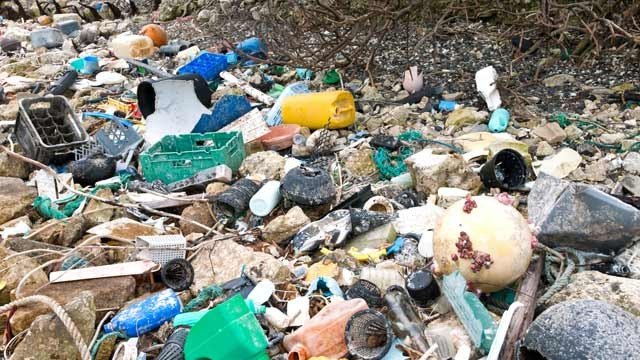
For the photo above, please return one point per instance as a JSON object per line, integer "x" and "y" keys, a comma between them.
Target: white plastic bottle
{"x": 266, "y": 199}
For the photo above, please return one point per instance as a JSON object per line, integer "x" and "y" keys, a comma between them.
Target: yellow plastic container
{"x": 332, "y": 109}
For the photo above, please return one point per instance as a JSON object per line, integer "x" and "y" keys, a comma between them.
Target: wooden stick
{"x": 246, "y": 87}
{"x": 524, "y": 315}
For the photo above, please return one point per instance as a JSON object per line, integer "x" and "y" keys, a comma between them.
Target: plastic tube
{"x": 266, "y": 199}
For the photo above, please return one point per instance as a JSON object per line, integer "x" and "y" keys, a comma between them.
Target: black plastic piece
{"x": 356, "y": 200}
{"x": 61, "y": 85}
{"x": 177, "y": 274}
{"x": 407, "y": 199}
{"x": 385, "y": 141}
{"x": 95, "y": 168}
{"x": 235, "y": 200}
{"x": 242, "y": 285}
{"x": 174, "y": 347}
{"x": 422, "y": 287}
{"x": 308, "y": 186}
{"x": 506, "y": 170}
{"x": 366, "y": 290}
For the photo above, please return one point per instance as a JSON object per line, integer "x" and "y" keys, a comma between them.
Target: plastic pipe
{"x": 266, "y": 199}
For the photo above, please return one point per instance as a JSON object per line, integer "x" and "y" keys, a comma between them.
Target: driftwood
{"x": 524, "y": 315}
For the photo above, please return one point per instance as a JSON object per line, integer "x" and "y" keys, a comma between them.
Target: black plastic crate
{"x": 48, "y": 130}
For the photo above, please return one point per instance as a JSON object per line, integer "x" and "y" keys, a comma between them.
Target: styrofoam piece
{"x": 486, "y": 79}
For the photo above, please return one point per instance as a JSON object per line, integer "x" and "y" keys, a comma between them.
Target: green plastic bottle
{"x": 229, "y": 331}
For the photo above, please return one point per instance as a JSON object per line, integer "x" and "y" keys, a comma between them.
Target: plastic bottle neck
{"x": 298, "y": 352}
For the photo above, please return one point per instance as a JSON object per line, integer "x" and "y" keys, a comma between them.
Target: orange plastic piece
{"x": 156, "y": 33}
{"x": 323, "y": 335}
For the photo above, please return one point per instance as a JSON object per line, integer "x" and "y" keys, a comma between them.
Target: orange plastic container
{"x": 323, "y": 335}
{"x": 332, "y": 109}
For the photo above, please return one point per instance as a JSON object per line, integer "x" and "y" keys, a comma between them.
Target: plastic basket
{"x": 208, "y": 65}
{"x": 117, "y": 138}
{"x": 178, "y": 157}
{"x": 48, "y": 130}
{"x": 161, "y": 248}
{"x": 368, "y": 335}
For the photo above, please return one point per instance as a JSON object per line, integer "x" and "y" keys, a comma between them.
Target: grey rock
{"x": 551, "y": 133}
{"x": 48, "y": 338}
{"x": 14, "y": 269}
{"x": 632, "y": 162}
{"x": 559, "y": 80}
{"x": 63, "y": 232}
{"x": 265, "y": 163}
{"x": 595, "y": 285}
{"x": 573, "y": 132}
{"x": 631, "y": 183}
{"x": 11, "y": 167}
{"x": 285, "y": 226}
{"x": 199, "y": 212}
{"x": 544, "y": 149}
{"x": 611, "y": 139}
{"x": 15, "y": 197}
{"x": 584, "y": 329}
{"x": 225, "y": 261}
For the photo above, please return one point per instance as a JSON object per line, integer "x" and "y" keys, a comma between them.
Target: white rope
{"x": 62, "y": 315}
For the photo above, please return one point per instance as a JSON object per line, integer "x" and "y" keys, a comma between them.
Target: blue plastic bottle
{"x": 499, "y": 120}
{"x": 146, "y": 315}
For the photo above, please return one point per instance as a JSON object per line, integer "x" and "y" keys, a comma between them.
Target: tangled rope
{"x": 562, "y": 280}
{"x": 60, "y": 313}
{"x": 206, "y": 294}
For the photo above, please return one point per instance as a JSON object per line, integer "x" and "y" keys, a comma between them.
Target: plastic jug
{"x": 132, "y": 46}
{"x": 499, "y": 120}
{"x": 335, "y": 109}
{"x": 323, "y": 335}
{"x": 146, "y": 315}
{"x": 229, "y": 331}
{"x": 48, "y": 38}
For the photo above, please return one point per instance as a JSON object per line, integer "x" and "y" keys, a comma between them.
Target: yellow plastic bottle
{"x": 332, "y": 109}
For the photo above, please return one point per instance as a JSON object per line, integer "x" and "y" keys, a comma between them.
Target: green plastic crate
{"x": 179, "y": 157}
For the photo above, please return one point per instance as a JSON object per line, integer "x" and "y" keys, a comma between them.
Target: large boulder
{"x": 15, "y": 196}
{"x": 48, "y": 338}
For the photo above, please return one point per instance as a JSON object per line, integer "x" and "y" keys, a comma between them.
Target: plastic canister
{"x": 266, "y": 199}
{"x": 146, "y": 315}
{"x": 132, "y": 46}
{"x": 68, "y": 26}
{"x": 332, "y": 109}
{"x": 229, "y": 331}
{"x": 48, "y": 38}
{"x": 499, "y": 120}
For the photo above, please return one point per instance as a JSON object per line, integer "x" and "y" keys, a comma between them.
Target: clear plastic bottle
{"x": 404, "y": 320}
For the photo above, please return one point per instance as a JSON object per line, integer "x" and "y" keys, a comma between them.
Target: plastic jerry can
{"x": 323, "y": 335}
{"x": 332, "y": 109}
{"x": 132, "y": 46}
{"x": 228, "y": 331}
{"x": 146, "y": 315}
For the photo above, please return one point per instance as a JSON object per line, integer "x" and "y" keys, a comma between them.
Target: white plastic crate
{"x": 161, "y": 248}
